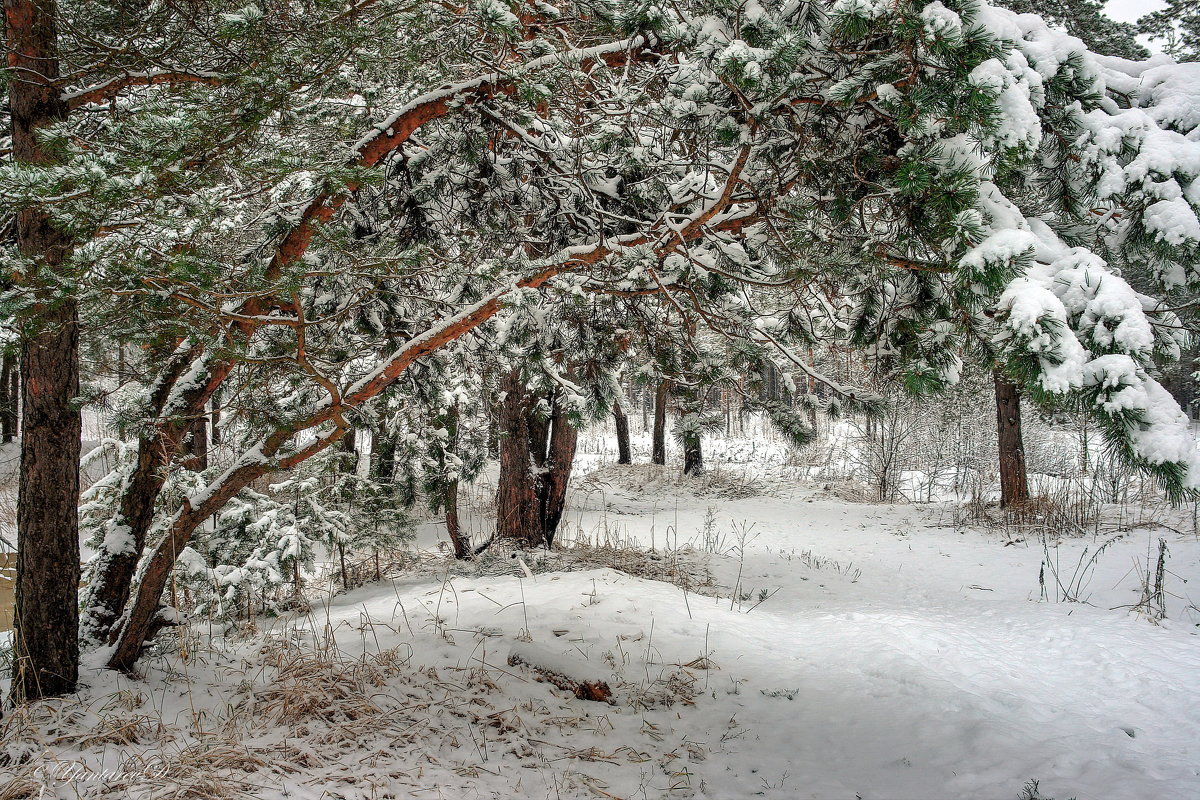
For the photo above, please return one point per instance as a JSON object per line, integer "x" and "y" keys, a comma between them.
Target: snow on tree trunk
{"x": 111, "y": 571}
{"x": 1014, "y": 482}
{"x": 46, "y": 620}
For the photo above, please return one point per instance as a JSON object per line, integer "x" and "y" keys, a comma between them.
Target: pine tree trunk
{"x": 215, "y": 433}
{"x": 623, "y": 453}
{"x": 658, "y": 453}
{"x": 1014, "y": 482}
{"x": 46, "y": 619}
{"x": 112, "y": 570}
{"x": 693, "y": 460}
{"x": 459, "y": 541}
{"x": 8, "y": 395}
{"x": 342, "y": 558}
{"x": 112, "y": 573}
{"x": 516, "y": 496}
{"x": 197, "y": 445}
{"x": 556, "y": 472}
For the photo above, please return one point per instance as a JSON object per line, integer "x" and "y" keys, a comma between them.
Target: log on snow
{"x": 561, "y": 671}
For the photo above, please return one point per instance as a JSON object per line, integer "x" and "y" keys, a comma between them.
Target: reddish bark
{"x": 45, "y": 623}
{"x": 114, "y": 86}
{"x": 517, "y": 517}
{"x": 138, "y": 623}
{"x": 556, "y": 472}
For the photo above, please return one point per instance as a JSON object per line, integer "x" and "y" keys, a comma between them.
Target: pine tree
{"x": 45, "y": 653}
{"x": 1177, "y": 27}
{"x": 922, "y": 184}
{"x": 1087, "y": 20}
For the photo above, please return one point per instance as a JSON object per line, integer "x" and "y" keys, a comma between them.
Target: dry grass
{"x": 653, "y": 478}
{"x": 21, "y": 786}
{"x": 301, "y": 713}
{"x": 851, "y": 491}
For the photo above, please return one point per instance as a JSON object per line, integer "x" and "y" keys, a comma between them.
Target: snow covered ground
{"x": 823, "y": 649}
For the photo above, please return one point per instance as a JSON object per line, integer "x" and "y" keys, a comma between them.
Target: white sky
{"x": 1130, "y": 10}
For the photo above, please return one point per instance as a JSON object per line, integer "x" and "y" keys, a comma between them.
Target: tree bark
{"x": 556, "y": 472}
{"x": 215, "y": 433}
{"x": 112, "y": 570}
{"x": 458, "y": 540}
{"x": 9, "y": 392}
{"x": 197, "y": 445}
{"x": 536, "y": 457}
{"x": 623, "y": 453}
{"x": 1014, "y": 481}
{"x": 693, "y": 459}
{"x": 516, "y": 496}
{"x": 46, "y": 619}
{"x": 658, "y": 453}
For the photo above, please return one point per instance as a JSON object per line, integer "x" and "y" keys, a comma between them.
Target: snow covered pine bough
{"x": 929, "y": 183}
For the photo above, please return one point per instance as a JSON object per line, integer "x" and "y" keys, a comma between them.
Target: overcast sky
{"x": 1130, "y": 10}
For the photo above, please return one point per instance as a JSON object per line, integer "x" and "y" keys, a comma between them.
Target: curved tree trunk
{"x": 46, "y": 619}
{"x": 624, "y": 455}
{"x": 111, "y": 571}
{"x": 1014, "y": 482}
{"x": 658, "y": 454}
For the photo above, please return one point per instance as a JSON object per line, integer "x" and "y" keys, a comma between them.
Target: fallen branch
{"x": 560, "y": 671}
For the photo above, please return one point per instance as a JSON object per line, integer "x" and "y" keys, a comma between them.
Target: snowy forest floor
{"x": 777, "y": 642}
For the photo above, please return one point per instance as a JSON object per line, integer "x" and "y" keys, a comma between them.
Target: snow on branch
{"x": 115, "y": 85}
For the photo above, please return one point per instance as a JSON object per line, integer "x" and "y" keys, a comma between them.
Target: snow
{"x": 941, "y": 21}
{"x": 839, "y": 650}
{"x": 1173, "y": 221}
